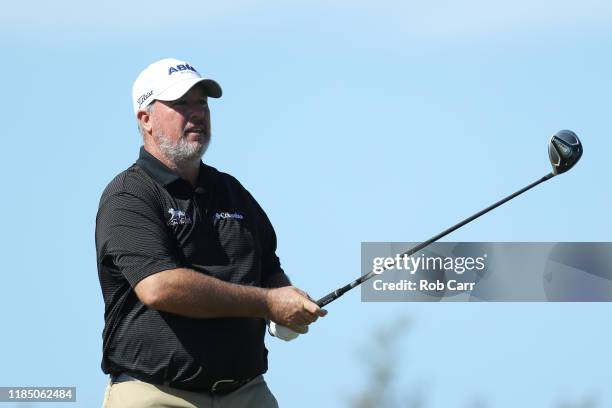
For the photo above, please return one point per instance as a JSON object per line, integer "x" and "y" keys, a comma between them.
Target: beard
{"x": 182, "y": 151}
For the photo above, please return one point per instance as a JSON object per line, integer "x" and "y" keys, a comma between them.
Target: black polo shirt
{"x": 150, "y": 220}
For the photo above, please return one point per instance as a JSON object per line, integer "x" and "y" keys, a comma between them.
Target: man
{"x": 187, "y": 264}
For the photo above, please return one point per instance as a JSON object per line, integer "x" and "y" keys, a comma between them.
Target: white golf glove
{"x": 281, "y": 332}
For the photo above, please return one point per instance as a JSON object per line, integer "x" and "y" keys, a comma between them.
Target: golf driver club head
{"x": 564, "y": 150}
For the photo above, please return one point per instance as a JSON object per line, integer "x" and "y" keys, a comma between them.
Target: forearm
{"x": 189, "y": 293}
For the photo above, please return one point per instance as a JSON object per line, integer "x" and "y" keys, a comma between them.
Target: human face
{"x": 181, "y": 128}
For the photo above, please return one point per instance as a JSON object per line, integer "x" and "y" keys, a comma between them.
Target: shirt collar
{"x": 163, "y": 175}
{"x": 156, "y": 169}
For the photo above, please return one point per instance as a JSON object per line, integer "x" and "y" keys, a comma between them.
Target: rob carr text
{"x": 423, "y": 285}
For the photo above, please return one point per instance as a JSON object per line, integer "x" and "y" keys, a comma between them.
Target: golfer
{"x": 187, "y": 263}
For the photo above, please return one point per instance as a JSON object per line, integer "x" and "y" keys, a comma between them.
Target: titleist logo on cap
{"x": 144, "y": 97}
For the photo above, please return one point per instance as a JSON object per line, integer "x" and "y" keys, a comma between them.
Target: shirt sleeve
{"x": 270, "y": 262}
{"x": 132, "y": 237}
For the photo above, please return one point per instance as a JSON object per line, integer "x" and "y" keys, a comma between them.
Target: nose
{"x": 198, "y": 113}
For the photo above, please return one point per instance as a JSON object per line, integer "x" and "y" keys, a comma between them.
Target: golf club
{"x": 564, "y": 151}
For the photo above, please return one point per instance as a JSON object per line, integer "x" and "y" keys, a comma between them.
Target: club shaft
{"x": 330, "y": 297}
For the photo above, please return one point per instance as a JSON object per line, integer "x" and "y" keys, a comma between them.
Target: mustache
{"x": 196, "y": 125}
{"x": 204, "y": 136}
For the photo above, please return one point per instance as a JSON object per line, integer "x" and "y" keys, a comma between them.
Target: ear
{"x": 144, "y": 119}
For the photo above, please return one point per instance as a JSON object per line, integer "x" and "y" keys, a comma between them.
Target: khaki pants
{"x": 138, "y": 394}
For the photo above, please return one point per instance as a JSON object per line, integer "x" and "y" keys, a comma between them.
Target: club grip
{"x": 330, "y": 297}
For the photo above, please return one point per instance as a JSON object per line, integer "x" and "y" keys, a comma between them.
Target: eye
{"x": 204, "y": 102}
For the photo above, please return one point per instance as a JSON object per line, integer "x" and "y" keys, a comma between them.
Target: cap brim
{"x": 212, "y": 88}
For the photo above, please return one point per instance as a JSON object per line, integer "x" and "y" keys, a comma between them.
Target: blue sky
{"x": 349, "y": 122}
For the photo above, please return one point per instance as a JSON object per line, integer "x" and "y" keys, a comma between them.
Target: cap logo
{"x": 144, "y": 97}
{"x": 181, "y": 67}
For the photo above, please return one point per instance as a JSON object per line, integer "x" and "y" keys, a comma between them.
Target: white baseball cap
{"x": 167, "y": 80}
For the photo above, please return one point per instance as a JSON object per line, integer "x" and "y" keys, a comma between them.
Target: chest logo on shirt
{"x": 225, "y": 215}
{"x": 178, "y": 217}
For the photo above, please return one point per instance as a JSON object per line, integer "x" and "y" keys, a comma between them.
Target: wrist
{"x": 264, "y": 303}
